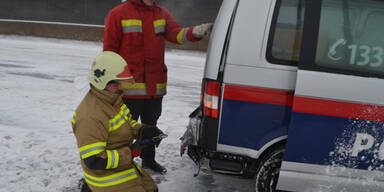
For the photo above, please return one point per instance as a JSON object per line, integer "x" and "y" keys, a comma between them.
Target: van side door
{"x": 336, "y": 132}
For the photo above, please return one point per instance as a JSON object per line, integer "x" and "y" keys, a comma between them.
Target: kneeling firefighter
{"x": 105, "y": 132}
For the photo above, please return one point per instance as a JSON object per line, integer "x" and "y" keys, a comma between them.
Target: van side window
{"x": 286, "y": 31}
{"x": 351, "y": 37}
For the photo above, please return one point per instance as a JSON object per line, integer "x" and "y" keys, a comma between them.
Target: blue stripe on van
{"x": 251, "y": 125}
{"x": 327, "y": 140}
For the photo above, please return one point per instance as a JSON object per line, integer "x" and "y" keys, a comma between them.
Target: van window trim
{"x": 307, "y": 60}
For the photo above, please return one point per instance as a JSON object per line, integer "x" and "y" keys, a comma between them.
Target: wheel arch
{"x": 254, "y": 166}
{"x": 271, "y": 145}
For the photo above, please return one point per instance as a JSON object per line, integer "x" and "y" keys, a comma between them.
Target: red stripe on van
{"x": 258, "y": 95}
{"x": 338, "y": 109}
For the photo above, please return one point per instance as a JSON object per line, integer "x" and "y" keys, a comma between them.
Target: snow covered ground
{"x": 41, "y": 83}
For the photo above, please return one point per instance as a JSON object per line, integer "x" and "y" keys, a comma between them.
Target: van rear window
{"x": 284, "y": 42}
{"x": 351, "y": 36}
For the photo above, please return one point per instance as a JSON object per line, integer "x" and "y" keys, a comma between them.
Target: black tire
{"x": 268, "y": 172}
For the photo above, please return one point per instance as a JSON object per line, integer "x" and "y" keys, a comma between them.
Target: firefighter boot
{"x": 83, "y": 186}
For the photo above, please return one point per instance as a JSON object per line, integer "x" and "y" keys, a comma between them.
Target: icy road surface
{"x": 41, "y": 83}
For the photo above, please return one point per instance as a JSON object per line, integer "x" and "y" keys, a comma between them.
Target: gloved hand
{"x": 150, "y": 132}
{"x": 158, "y": 140}
{"x": 202, "y": 30}
{"x": 135, "y": 153}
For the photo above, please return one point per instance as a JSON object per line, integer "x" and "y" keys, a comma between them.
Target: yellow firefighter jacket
{"x": 104, "y": 127}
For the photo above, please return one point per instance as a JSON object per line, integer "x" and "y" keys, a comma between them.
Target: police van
{"x": 293, "y": 95}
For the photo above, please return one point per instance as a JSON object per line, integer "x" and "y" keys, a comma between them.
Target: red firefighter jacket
{"x": 137, "y": 32}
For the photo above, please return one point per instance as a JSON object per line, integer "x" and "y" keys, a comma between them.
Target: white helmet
{"x": 106, "y": 67}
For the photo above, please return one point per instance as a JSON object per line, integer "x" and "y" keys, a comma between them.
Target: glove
{"x": 135, "y": 153}
{"x": 202, "y": 30}
{"x": 148, "y": 132}
{"x": 158, "y": 140}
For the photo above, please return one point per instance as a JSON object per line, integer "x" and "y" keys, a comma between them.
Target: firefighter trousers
{"x": 149, "y": 111}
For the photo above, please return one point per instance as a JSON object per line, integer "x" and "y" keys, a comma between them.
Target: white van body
{"x": 299, "y": 78}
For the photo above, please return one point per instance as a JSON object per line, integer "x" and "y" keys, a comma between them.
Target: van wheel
{"x": 266, "y": 177}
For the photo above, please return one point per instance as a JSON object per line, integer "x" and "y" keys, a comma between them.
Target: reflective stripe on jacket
{"x": 104, "y": 127}
{"x": 137, "y": 33}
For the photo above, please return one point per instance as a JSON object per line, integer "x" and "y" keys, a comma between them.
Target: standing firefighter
{"x": 105, "y": 131}
{"x": 136, "y": 30}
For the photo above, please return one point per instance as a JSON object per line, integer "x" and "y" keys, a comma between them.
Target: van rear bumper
{"x": 199, "y": 150}
{"x": 310, "y": 177}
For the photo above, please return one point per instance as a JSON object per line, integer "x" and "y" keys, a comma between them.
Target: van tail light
{"x": 211, "y": 98}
